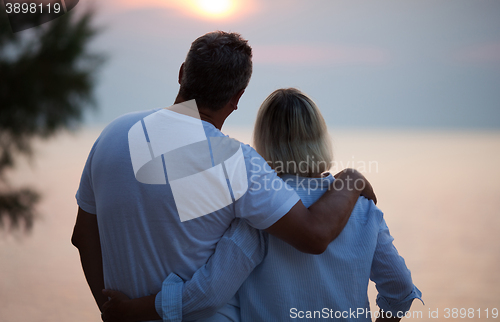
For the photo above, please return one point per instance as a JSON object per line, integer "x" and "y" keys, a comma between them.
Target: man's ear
{"x": 236, "y": 99}
{"x": 181, "y": 71}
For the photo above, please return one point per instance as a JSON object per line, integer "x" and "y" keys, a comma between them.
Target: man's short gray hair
{"x": 218, "y": 65}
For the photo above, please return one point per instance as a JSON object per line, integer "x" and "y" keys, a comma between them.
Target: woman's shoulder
{"x": 366, "y": 211}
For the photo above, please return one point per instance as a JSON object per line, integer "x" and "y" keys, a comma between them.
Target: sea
{"x": 439, "y": 191}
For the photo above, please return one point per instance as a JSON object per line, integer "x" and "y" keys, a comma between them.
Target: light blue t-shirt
{"x": 165, "y": 189}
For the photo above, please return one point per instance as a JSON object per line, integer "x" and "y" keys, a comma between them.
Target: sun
{"x": 214, "y": 8}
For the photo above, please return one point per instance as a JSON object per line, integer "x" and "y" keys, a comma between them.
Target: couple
{"x": 193, "y": 225}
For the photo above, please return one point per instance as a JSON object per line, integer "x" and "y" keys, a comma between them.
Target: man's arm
{"x": 312, "y": 230}
{"x": 86, "y": 239}
{"x": 209, "y": 289}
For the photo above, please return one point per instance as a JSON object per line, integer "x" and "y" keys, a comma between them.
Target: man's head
{"x": 218, "y": 66}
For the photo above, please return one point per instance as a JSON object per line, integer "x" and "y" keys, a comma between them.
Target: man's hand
{"x": 352, "y": 179}
{"x": 116, "y": 308}
{"x": 312, "y": 230}
{"x": 120, "y": 308}
{"x": 382, "y": 317}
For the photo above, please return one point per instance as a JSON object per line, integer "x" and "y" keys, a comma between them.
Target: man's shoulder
{"x": 255, "y": 163}
{"x": 122, "y": 124}
{"x": 252, "y": 158}
{"x": 130, "y": 118}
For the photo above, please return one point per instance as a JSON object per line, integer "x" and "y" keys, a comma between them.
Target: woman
{"x": 290, "y": 132}
{"x": 292, "y": 136}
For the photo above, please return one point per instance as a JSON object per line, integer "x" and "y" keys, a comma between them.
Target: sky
{"x": 366, "y": 63}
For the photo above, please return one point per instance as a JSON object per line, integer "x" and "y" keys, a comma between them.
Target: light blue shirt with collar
{"x": 287, "y": 284}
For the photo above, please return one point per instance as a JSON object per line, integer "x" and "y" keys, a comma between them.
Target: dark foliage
{"x": 46, "y": 80}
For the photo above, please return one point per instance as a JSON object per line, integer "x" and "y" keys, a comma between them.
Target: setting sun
{"x": 214, "y": 8}
{"x": 207, "y": 9}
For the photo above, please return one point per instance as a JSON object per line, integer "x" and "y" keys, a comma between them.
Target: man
{"x": 161, "y": 187}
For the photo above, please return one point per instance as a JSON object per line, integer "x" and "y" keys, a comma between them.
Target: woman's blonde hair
{"x": 291, "y": 134}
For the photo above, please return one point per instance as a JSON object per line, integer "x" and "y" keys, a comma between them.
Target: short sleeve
{"x": 85, "y": 195}
{"x": 268, "y": 198}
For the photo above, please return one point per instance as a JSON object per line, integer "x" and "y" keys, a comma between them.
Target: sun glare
{"x": 214, "y": 8}
{"x": 208, "y": 9}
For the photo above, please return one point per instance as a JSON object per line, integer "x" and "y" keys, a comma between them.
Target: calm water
{"x": 440, "y": 192}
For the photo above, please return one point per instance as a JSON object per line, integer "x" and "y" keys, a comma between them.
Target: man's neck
{"x": 205, "y": 114}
